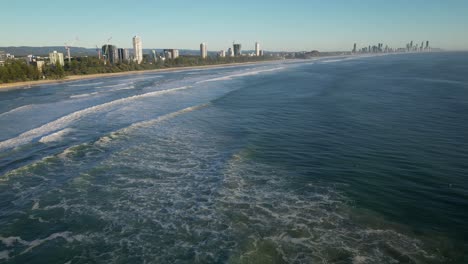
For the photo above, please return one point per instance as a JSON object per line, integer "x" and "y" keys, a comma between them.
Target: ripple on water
{"x": 163, "y": 194}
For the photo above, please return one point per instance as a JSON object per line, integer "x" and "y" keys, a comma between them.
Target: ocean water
{"x": 348, "y": 160}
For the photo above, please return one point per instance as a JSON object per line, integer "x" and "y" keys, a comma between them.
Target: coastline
{"x": 70, "y": 78}
{"x": 30, "y": 84}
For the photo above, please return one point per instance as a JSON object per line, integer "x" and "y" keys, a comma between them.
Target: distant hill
{"x": 44, "y": 51}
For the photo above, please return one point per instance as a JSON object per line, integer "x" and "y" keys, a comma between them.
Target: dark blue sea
{"x": 334, "y": 160}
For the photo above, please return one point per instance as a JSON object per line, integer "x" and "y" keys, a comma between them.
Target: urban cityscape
{"x": 110, "y": 55}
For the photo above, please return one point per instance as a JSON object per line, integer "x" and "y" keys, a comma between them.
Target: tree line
{"x": 18, "y": 70}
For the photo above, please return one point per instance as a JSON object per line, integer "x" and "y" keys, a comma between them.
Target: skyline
{"x": 184, "y": 25}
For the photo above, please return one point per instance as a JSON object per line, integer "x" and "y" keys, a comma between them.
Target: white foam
{"x": 5, "y": 254}
{"x": 106, "y": 139}
{"x": 65, "y": 121}
{"x": 229, "y": 77}
{"x": 336, "y": 60}
{"x": 57, "y": 136}
{"x": 83, "y": 95}
{"x": 10, "y": 241}
{"x": 116, "y": 85}
{"x": 35, "y": 243}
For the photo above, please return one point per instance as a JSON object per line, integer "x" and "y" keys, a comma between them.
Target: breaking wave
{"x": 65, "y": 121}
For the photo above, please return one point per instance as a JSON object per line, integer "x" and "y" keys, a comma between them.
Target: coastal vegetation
{"x": 18, "y": 70}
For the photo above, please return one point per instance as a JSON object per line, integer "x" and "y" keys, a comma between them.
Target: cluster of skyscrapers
{"x": 111, "y": 54}
{"x": 379, "y": 48}
{"x": 414, "y": 48}
{"x": 235, "y": 51}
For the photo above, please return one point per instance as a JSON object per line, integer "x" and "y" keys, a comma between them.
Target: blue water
{"x": 348, "y": 160}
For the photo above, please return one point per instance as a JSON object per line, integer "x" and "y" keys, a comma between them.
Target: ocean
{"x": 343, "y": 160}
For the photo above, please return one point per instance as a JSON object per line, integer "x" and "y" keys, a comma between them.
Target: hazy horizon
{"x": 298, "y": 26}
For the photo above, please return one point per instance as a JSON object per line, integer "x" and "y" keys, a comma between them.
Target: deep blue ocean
{"x": 334, "y": 160}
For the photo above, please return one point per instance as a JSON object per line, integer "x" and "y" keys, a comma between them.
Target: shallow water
{"x": 358, "y": 160}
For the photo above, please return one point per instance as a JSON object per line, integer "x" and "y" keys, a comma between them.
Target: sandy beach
{"x": 29, "y": 84}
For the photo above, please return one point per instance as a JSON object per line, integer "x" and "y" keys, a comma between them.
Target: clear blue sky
{"x": 278, "y": 25}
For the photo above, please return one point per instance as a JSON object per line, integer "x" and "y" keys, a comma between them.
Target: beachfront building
{"x": 222, "y": 54}
{"x": 2, "y": 57}
{"x": 123, "y": 55}
{"x": 171, "y": 53}
{"x": 257, "y": 49}
{"x": 231, "y": 52}
{"x": 110, "y": 53}
{"x": 56, "y": 57}
{"x": 237, "y": 49}
{"x": 203, "y": 51}
{"x": 138, "y": 49}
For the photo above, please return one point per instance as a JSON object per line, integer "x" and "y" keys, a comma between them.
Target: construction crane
{"x": 106, "y": 52}
{"x": 67, "y": 47}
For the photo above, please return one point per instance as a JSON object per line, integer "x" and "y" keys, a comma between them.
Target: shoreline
{"x": 70, "y": 78}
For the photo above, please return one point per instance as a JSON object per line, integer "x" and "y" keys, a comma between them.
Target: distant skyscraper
{"x": 231, "y": 52}
{"x": 110, "y": 53}
{"x": 56, "y": 57}
{"x": 123, "y": 55}
{"x": 155, "y": 56}
{"x": 222, "y": 53}
{"x": 354, "y": 48}
{"x": 203, "y": 51}
{"x": 427, "y": 44}
{"x": 257, "y": 49}
{"x": 138, "y": 49}
{"x": 261, "y": 53}
{"x": 2, "y": 57}
{"x": 171, "y": 53}
{"x": 237, "y": 49}
{"x": 175, "y": 53}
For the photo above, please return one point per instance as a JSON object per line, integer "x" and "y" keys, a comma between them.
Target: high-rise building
{"x": 203, "y": 51}
{"x": 171, "y": 53}
{"x": 262, "y": 53}
{"x": 427, "y": 44}
{"x": 2, "y": 56}
{"x": 354, "y": 48}
{"x": 138, "y": 49}
{"x": 222, "y": 54}
{"x": 56, "y": 57}
{"x": 237, "y": 49}
{"x": 257, "y": 49}
{"x": 154, "y": 55}
{"x": 123, "y": 55}
{"x": 110, "y": 54}
{"x": 231, "y": 52}
{"x": 175, "y": 53}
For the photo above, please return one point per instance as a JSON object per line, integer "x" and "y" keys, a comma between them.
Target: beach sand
{"x": 29, "y": 84}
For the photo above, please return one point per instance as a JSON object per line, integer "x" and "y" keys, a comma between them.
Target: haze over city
{"x": 293, "y": 26}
